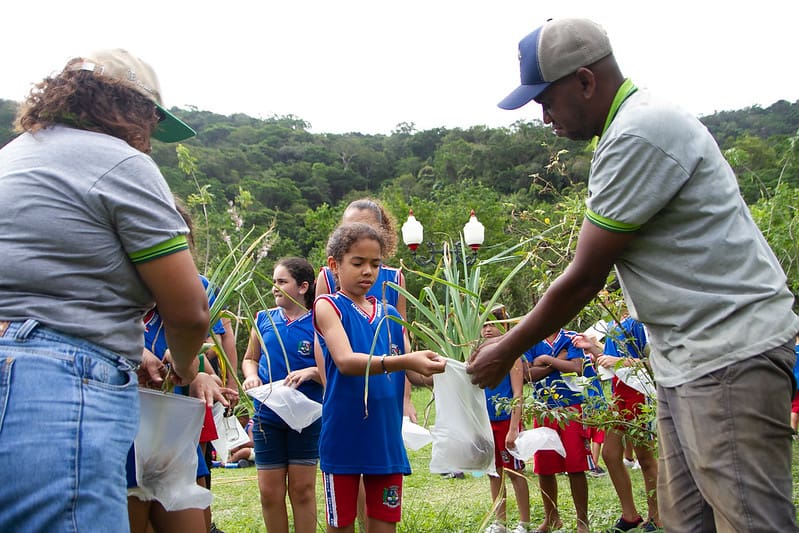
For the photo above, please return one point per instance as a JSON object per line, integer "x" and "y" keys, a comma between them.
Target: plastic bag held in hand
{"x": 533, "y": 440}
{"x": 166, "y": 451}
{"x": 638, "y": 379}
{"x": 230, "y": 433}
{"x": 415, "y": 436}
{"x": 462, "y": 437}
{"x": 295, "y": 408}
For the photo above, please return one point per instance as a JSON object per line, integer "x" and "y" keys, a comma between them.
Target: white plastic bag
{"x": 166, "y": 451}
{"x": 462, "y": 436}
{"x": 295, "y": 408}
{"x": 533, "y": 440}
{"x": 637, "y": 378}
{"x": 605, "y": 373}
{"x": 415, "y": 436}
{"x": 581, "y": 384}
{"x": 229, "y": 431}
{"x": 597, "y": 331}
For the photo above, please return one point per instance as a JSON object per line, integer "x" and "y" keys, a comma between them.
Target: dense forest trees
{"x": 241, "y": 172}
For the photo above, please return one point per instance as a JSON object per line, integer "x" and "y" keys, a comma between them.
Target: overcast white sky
{"x": 365, "y": 66}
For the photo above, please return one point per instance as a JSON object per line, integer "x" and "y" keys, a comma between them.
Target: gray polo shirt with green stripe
{"x": 77, "y": 210}
{"x": 699, "y": 273}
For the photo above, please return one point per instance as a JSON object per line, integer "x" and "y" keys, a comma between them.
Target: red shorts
{"x": 627, "y": 400}
{"x": 596, "y": 435}
{"x": 795, "y": 403}
{"x": 208, "y": 432}
{"x": 383, "y": 497}
{"x": 574, "y": 436}
{"x": 502, "y": 457}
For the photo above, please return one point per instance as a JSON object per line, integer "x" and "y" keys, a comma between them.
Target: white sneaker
{"x": 631, "y": 463}
{"x": 496, "y": 527}
{"x": 521, "y": 528}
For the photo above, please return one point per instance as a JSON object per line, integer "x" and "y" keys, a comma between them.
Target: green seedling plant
{"x": 452, "y": 327}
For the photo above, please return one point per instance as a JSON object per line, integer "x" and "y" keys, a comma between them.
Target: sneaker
{"x": 597, "y": 471}
{"x": 649, "y": 526}
{"x": 629, "y": 463}
{"x": 522, "y": 527}
{"x": 215, "y": 529}
{"x": 496, "y": 527}
{"x": 623, "y": 525}
{"x": 245, "y": 463}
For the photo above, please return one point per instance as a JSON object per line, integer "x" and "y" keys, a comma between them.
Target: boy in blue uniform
{"x": 546, "y": 362}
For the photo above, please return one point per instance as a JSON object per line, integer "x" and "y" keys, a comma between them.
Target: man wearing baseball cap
{"x": 665, "y": 211}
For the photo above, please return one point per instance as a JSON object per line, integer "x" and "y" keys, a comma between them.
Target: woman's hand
{"x": 209, "y": 389}
{"x": 181, "y": 374}
{"x": 151, "y": 371}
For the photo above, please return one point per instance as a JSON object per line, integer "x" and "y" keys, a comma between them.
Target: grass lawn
{"x": 432, "y": 503}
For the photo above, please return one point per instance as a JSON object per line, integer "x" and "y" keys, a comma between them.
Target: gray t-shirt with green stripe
{"x": 75, "y": 207}
{"x": 699, "y": 273}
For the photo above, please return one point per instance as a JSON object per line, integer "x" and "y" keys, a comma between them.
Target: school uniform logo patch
{"x": 305, "y": 347}
{"x": 391, "y": 496}
{"x": 395, "y": 349}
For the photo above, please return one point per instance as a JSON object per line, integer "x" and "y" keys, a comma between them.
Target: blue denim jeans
{"x": 69, "y": 411}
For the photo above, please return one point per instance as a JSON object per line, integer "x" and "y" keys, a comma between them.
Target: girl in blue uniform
{"x": 361, "y": 437}
{"x": 372, "y": 212}
{"x": 286, "y": 459}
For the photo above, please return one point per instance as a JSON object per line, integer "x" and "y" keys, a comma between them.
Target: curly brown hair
{"x": 346, "y": 235}
{"x": 82, "y": 100}
{"x": 380, "y": 216}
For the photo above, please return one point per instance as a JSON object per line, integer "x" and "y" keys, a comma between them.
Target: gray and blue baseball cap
{"x": 553, "y": 51}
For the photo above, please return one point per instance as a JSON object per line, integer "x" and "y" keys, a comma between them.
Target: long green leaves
{"x": 453, "y": 328}
{"x": 229, "y": 282}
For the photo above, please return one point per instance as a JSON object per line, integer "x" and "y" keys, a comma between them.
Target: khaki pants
{"x": 725, "y": 448}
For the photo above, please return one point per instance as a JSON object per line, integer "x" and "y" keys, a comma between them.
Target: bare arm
{"x": 321, "y": 288}
{"x": 351, "y": 363}
{"x": 562, "y": 365}
{"x": 597, "y": 250}
{"x": 183, "y": 305}
{"x": 517, "y": 386}
{"x": 402, "y": 304}
{"x": 249, "y": 365}
{"x": 534, "y": 373}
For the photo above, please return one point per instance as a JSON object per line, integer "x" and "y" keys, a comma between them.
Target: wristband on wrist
{"x": 383, "y": 364}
